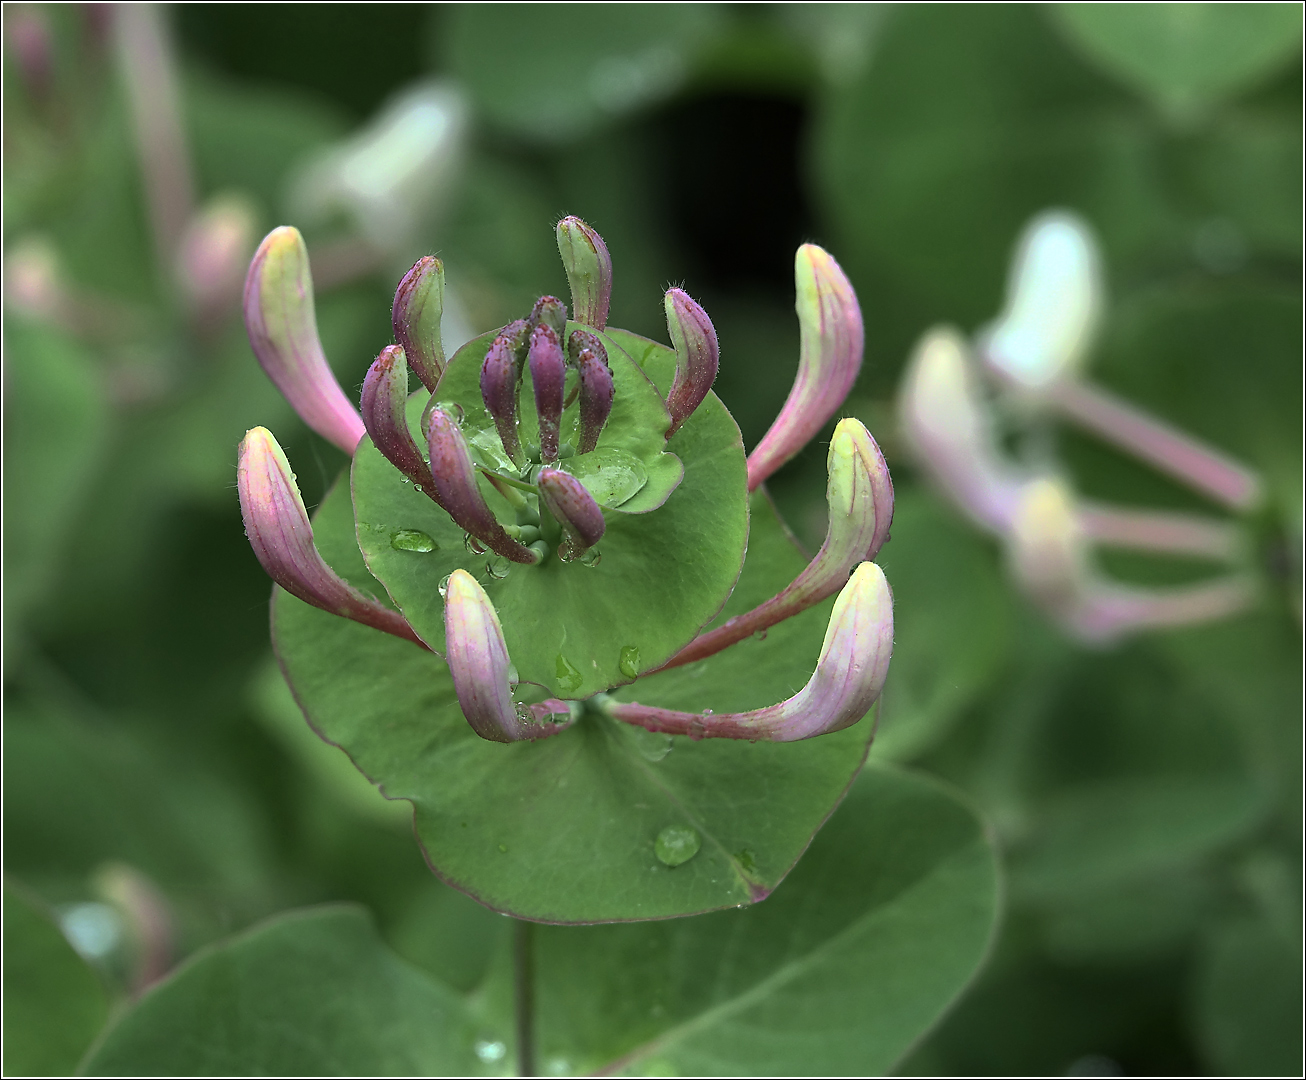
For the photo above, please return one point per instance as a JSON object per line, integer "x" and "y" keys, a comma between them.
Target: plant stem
{"x": 523, "y": 963}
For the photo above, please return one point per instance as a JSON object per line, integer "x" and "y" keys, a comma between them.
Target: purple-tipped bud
{"x": 282, "y": 329}
{"x": 418, "y": 307}
{"x": 567, "y": 500}
{"x": 589, "y": 271}
{"x": 481, "y": 670}
{"x": 454, "y": 478}
{"x": 830, "y": 323}
{"x": 385, "y": 398}
{"x": 697, "y": 355}
{"x": 499, "y": 378}
{"x": 596, "y": 395}
{"x": 549, "y": 376}
{"x": 848, "y": 678}
{"x": 551, "y": 312}
{"x": 280, "y": 534}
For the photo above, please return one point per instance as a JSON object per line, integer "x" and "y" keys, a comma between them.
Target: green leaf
{"x": 1247, "y": 1000}
{"x": 54, "y": 1004}
{"x": 311, "y": 993}
{"x": 844, "y": 968}
{"x": 1186, "y": 57}
{"x": 549, "y": 73}
{"x": 567, "y": 625}
{"x": 563, "y": 829}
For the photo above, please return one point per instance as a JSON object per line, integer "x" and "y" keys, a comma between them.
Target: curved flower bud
{"x": 860, "y": 497}
{"x": 499, "y": 380}
{"x": 596, "y": 388}
{"x": 454, "y": 477}
{"x": 830, "y": 322}
{"x": 549, "y": 377}
{"x": 1054, "y": 299}
{"x": 567, "y": 500}
{"x": 551, "y": 312}
{"x": 848, "y": 678}
{"x": 282, "y": 537}
{"x": 589, "y": 271}
{"x": 384, "y": 406}
{"x": 697, "y": 355}
{"x": 282, "y": 329}
{"x": 948, "y": 426}
{"x": 415, "y": 316}
{"x": 478, "y": 662}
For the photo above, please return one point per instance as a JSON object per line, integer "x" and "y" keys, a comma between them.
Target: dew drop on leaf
{"x": 444, "y": 585}
{"x": 411, "y": 540}
{"x": 629, "y": 663}
{"x": 568, "y": 676}
{"x": 677, "y": 844}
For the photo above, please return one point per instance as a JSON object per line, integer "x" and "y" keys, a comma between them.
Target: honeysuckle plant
{"x": 552, "y": 604}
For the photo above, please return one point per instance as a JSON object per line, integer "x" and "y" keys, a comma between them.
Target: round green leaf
{"x": 565, "y": 829}
{"x": 669, "y": 557}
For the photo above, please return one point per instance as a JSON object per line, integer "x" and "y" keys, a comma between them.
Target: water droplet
{"x": 444, "y": 585}
{"x": 629, "y": 661}
{"x": 503, "y": 849}
{"x": 708, "y": 712}
{"x": 411, "y": 540}
{"x": 652, "y": 745}
{"x": 759, "y": 635}
{"x": 453, "y": 409}
{"x": 417, "y": 487}
{"x": 490, "y": 1049}
{"x": 473, "y": 545}
{"x": 568, "y": 676}
{"x": 513, "y": 677}
{"x": 592, "y": 557}
{"x": 677, "y": 844}
{"x": 498, "y": 567}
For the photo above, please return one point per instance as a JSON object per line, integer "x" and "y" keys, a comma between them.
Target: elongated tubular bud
{"x": 282, "y": 329}
{"x": 567, "y": 500}
{"x": 697, "y": 356}
{"x": 848, "y": 678}
{"x": 454, "y": 478}
{"x": 385, "y": 398}
{"x": 596, "y": 388}
{"x": 418, "y": 308}
{"x": 479, "y": 664}
{"x": 860, "y": 498}
{"x": 549, "y": 377}
{"x": 551, "y": 312}
{"x": 1164, "y": 531}
{"x": 499, "y": 382}
{"x": 282, "y": 537}
{"x": 589, "y": 271}
{"x": 830, "y": 322}
{"x": 949, "y": 429}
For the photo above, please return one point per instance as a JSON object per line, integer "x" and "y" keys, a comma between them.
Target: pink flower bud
{"x": 831, "y": 326}
{"x": 499, "y": 383}
{"x": 418, "y": 308}
{"x": 282, "y": 537}
{"x": 589, "y": 271}
{"x": 848, "y": 678}
{"x": 567, "y": 500}
{"x": 384, "y": 406}
{"x": 697, "y": 356}
{"x": 282, "y": 329}
{"x": 454, "y": 477}
{"x": 551, "y": 312}
{"x": 596, "y": 388}
{"x": 479, "y": 664}
{"x": 549, "y": 376}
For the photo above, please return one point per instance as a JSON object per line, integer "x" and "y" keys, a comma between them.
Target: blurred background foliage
{"x": 161, "y": 790}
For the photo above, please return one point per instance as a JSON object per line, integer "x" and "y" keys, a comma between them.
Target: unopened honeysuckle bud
{"x": 551, "y": 312}
{"x": 860, "y": 497}
{"x": 949, "y": 429}
{"x": 697, "y": 354}
{"x": 454, "y": 477}
{"x": 282, "y": 327}
{"x": 589, "y": 271}
{"x": 415, "y": 316}
{"x": 499, "y": 379}
{"x": 549, "y": 377}
{"x": 1045, "y": 546}
{"x": 282, "y": 537}
{"x": 384, "y": 407}
{"x": 213, "y": 253}
{"x": 848, "y": 678}
{"x": 1053, "y": 301}
{"x": 579, "y": 515}
{"x": 481, "y": 670}
{"x": 596, "y": 393}
{"x": 830, "y": 322}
